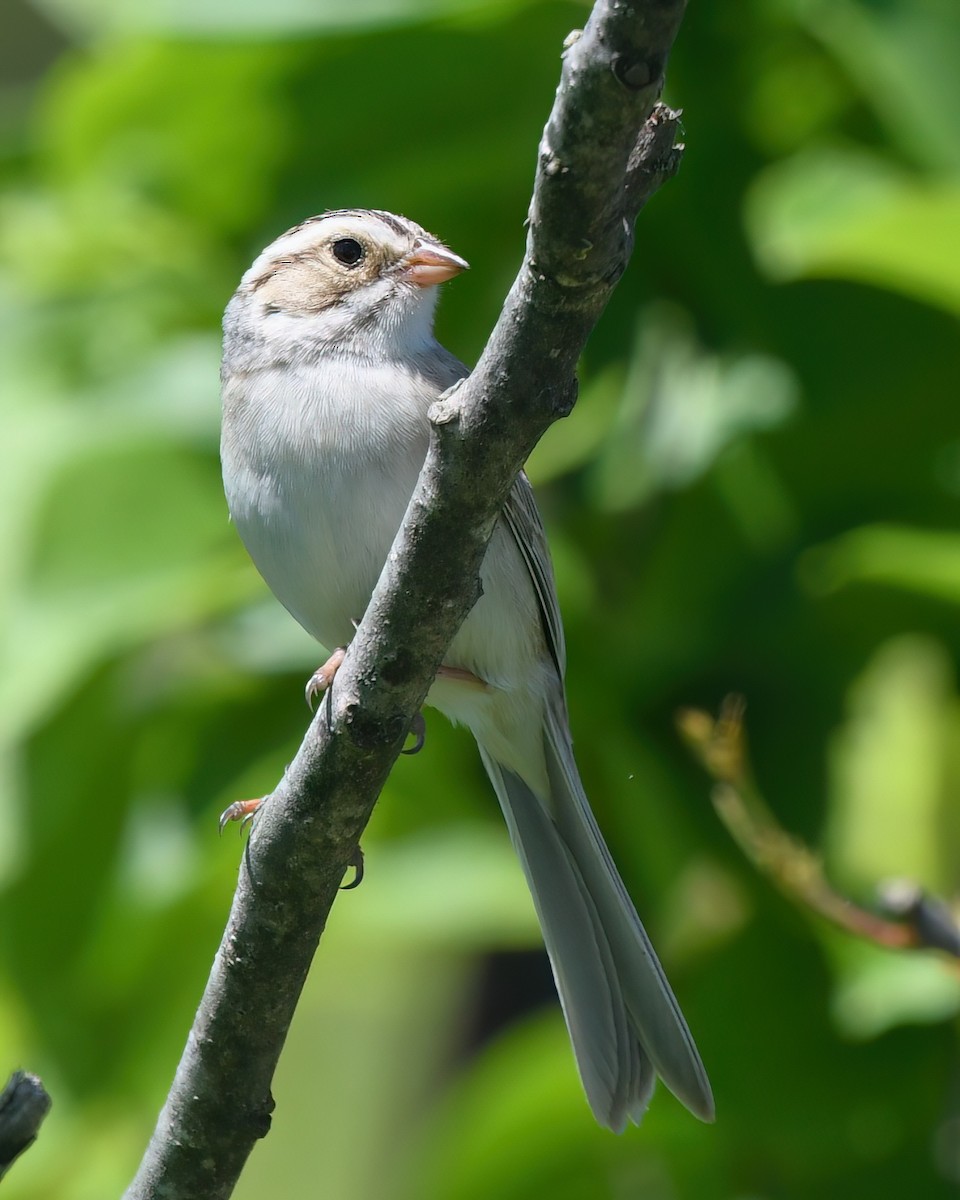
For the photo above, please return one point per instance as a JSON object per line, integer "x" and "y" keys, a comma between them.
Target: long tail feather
{"x": 624, "y": 1021}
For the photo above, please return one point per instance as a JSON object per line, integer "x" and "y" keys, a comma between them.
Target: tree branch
{"x": 606, "y": 148}
{"x": 23, "y": 1105}
{"x": 910, "y": 918}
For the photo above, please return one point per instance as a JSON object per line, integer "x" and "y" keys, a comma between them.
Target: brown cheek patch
{"x": 306, "y": 283}
{"x": 301, "y": 288}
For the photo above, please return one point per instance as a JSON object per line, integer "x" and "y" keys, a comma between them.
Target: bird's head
{"x": 353, "y": 279}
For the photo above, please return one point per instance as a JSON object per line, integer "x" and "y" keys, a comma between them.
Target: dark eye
{"x": 347, "y": 251}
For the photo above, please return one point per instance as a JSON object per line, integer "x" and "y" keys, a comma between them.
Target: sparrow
{"x": 330, "y": 366}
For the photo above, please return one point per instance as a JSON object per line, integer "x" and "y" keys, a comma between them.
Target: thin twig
{"x": 919, "y": 921}
{"x": 605, "y": 149}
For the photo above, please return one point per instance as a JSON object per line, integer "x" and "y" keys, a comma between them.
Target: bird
{"x": 330, "y": 366}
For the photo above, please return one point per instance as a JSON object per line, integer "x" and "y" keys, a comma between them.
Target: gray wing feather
{"x": 625, "y": 1024}
{"x": 653, "y": 1011}
{"x": 522, "y": 517}
{"x": 617, "y": 1078}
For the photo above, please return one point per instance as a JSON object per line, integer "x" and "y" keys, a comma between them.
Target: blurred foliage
{"x": 759, "y": 491}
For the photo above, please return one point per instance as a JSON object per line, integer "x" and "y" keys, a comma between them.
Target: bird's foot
{"x": 240, "y": 810}
{"x": 418, "y": 729}
{"x": 323, "y": 677}
{"x": 357, "y": 863}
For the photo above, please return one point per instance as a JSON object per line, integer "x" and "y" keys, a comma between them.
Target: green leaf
{"x": 903, "y": 54}
{"x": 846, "y": 214}
{"x": 925, "y": 561}
{"x": 680, "y": 408}
{"x": 254, "y": 18}
{"x": 891, "y": 776}
{"x": 877, "y": 991}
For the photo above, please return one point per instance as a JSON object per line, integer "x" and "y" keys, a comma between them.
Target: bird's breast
{"x": 319, "y": 464}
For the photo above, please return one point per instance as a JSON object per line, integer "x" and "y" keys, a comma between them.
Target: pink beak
{"x": 428, "y": 265}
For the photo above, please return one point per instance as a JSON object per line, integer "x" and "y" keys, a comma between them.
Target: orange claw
{"x": 239, "y": 810}
{"x": 321, "y": 679}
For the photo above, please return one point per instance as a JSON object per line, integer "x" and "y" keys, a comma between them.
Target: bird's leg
{"x": 320, "y": 682}
{"x": 461, "y": 675}
{"x": 243, "y": 811}
{"x": 418, "y": 729}
{"x": 357, "y": 863}
{"x": 240, "y": 810}
{"x": 323, "y": 677}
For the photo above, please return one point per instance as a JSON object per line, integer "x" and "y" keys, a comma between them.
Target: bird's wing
{"x": 522, "y": 517}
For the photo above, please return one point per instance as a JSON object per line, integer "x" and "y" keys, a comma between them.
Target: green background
{"x": 759, "y": 491}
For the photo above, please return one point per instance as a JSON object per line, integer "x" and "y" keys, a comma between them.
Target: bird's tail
{"x": 624, "y": 1021}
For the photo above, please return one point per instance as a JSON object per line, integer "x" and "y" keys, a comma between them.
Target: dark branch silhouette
{"x": 23, "y": 1105}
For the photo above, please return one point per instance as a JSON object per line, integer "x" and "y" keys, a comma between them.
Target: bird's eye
{"x": 347, "y": 251}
